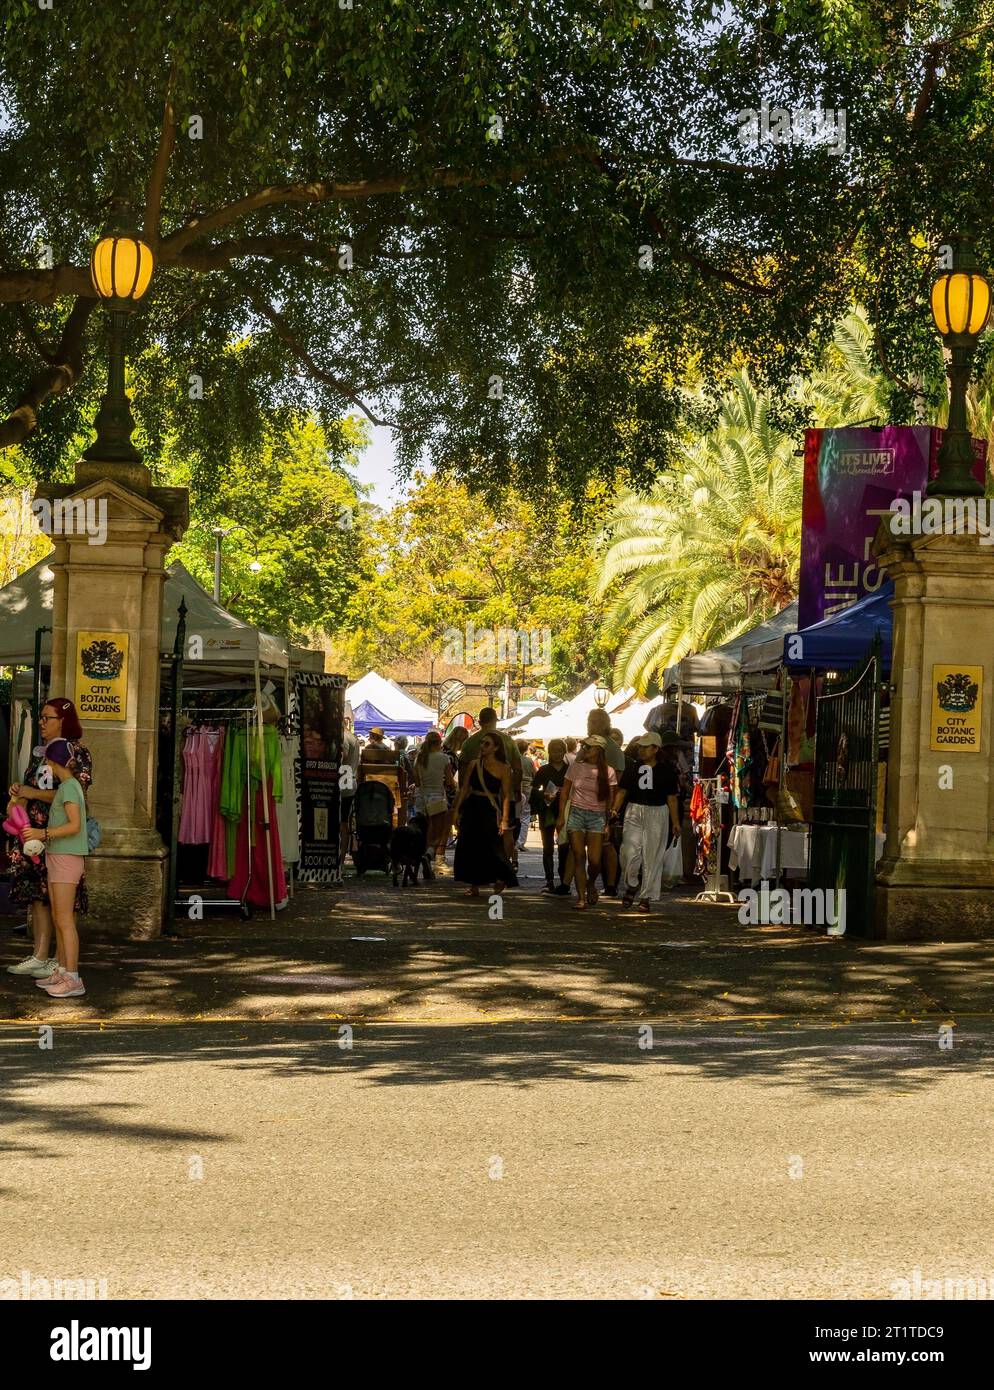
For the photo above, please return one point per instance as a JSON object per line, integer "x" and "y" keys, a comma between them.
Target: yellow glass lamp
{"x": 961, "y": 303}
{"x": 121, "y": 267}
{"x": 961, "y": 306}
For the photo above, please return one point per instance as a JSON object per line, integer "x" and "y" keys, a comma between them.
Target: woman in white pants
{"x": 650, "y": 790}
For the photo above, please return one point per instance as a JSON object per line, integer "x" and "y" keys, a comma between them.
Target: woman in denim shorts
{"x": 589, "y": 788}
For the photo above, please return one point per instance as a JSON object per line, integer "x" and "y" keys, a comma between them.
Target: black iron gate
{"x": 843, "y": 828}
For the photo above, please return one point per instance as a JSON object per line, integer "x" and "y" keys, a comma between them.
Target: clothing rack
{"x": 230, "y": 716}
{"x": 714, "y": 892}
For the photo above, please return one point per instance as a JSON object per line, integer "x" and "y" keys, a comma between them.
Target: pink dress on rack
{"x": 201, "y": 785}
{"x": 189, "y": 813}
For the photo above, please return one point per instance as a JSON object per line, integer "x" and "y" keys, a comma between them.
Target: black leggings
{"x": 548, "y": 844}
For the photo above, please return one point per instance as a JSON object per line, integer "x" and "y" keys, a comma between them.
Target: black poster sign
{"x": 320, "y": 701}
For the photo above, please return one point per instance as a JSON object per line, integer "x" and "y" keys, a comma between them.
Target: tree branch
{"x": 655, "y": 224}
{"x": 32, "y": 334}
{"x": 64, "y": 371}
{"x": 220, "y": 256}
{"x": 323, "y": 192}
{"x": 285, "y": 333}
{"x": 157, "y": 178}
{"x": 45, "y": 286}
{"x": 929, "y": 84}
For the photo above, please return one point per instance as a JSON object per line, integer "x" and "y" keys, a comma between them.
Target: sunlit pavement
{"x": 543, "y": 1104}
{"x": 370, "y": 952}
{"x": 212, "y": 1160}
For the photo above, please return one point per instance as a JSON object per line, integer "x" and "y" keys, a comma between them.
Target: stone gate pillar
{"x": 111, "y": 535}
{"x": 936, "y": 878}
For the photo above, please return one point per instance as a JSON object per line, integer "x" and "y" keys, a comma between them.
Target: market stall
{"x": 234, "y": 681}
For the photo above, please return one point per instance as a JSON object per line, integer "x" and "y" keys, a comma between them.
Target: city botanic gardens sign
{"x": 102, "y": 675}
{"x": 957, "y": 703}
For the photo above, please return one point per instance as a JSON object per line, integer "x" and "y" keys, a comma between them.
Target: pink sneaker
{"x": 64, "y": 987}
{"x": 47, "y": 980}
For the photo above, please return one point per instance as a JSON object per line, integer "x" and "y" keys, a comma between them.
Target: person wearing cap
{"x": 589, "y": 785}
{"x": 376, "y": 751}
{"x": 650, "y": 791}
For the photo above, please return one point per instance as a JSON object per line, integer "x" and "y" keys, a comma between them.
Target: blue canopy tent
{"x": 366, "y": 716}
{"x": 844, "y": 639}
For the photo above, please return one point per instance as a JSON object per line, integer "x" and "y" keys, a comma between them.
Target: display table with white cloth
{"x": 752, "y": 850}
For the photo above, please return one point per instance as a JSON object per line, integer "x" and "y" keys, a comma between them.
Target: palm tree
{"x": 849, "y": 385}
{"x": 713, "y": 551}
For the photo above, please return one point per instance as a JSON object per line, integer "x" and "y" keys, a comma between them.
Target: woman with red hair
{"x": 28, "y": 881}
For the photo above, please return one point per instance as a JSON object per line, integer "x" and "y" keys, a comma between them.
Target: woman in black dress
{"x": 482, "y": 811}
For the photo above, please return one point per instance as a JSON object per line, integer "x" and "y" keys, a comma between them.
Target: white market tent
{"x": 377, "y": 701}
{"x": 719, "y": 671}
{"x": 26, "y": 605}
{"x": 571, "y": 717}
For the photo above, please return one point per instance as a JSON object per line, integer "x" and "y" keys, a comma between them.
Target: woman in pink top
{"x": 589, "y": 788}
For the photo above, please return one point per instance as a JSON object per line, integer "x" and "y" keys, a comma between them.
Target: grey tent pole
{"x": 36, "y": 689}
{"x": 265, "y": 792}
{"x": 179, "y": 647}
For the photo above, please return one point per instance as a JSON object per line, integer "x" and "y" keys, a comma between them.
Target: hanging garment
{"x": 201, "y": 773}
{"x": 700, "y": 815}
{"x": 187, "y": 815}
{"x": 217, "y": 863}
{"x": 286, "y": 807}
{"x": 740, "y": 754}
{"x": 251, "y": 877}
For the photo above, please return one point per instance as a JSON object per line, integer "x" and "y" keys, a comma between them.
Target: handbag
{"x": 94, "y": 835}
{"x": 673, "y": 863}
{"x": 435, "y": 805}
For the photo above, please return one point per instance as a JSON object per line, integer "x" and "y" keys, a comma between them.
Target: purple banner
{"x": 851, "y": 476}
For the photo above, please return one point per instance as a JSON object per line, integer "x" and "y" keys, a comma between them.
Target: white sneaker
{"x": 33, "y": 966}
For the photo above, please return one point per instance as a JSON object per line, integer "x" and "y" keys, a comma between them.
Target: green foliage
{"x": 713, "y": 551}
{"x": 473, "y": 257}
{"x": 442, "y": 559}
{"x": 297, "y": 513}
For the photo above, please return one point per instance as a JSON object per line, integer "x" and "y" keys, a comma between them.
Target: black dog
{"x": 409, "y": 850}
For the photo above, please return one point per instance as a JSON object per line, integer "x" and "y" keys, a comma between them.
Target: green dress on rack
{"x": 241, "y": 760}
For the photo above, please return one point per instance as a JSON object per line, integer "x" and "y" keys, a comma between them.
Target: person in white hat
{"x": 650, "y": 789}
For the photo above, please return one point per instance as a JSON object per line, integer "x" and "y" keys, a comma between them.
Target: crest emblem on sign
{"x": 957, "y": 693}
{"x": 102, "y": 660}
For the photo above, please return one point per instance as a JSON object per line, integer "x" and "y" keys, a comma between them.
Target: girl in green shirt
{"x": 66, "y": 849}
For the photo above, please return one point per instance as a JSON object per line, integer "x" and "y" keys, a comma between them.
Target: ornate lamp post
{"x": 121, "y": 268}
{"x": 601, "y": 696}
{"x": 961, "y": 306}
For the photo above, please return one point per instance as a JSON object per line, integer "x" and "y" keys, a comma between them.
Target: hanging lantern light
{"x": 121, "y": 264}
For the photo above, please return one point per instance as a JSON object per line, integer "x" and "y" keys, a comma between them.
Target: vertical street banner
{"x": 851, "y": 476}
{"x": 320, "y": 705}
{"x": 957, "y": 707}
{"x": 102, "y": 675}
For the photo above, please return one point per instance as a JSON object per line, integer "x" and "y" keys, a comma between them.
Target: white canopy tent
{"x": 719, "y": 671}
{"x": 225, "y": 640}
{"x": 571, "y": 717}
{"x": 398, "y": 708}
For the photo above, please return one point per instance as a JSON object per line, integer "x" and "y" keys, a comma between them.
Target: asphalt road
{"x": 796, "y": 1159}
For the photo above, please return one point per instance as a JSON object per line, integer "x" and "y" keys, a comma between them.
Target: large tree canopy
{"x": 441, "y": 214}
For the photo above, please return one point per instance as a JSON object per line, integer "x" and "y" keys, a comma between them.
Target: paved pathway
{"x": 372, "y": 952}
{"x": 525, "y": 1160}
